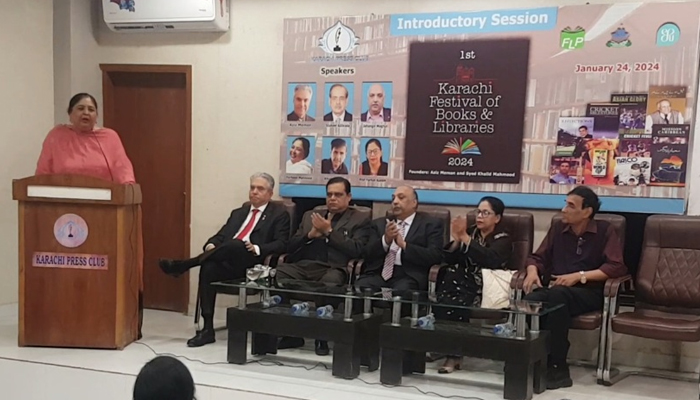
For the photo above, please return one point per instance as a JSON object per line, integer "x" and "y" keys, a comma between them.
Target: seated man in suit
{"x": 579, "y": 255}
{"x": 323, "y": 245}
{"x": 250, "y": 234}
{"x": 402, "y": 249}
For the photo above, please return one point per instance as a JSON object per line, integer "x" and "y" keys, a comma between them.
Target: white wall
{"x": 237, "y": 81}
{"x": 26, "y": 112}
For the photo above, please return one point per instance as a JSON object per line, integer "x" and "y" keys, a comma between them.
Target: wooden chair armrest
{"x": 281, "y": 259}
{"x": 516, "y": 282}
{"x": 353, "y": 269}
{"x": 434, "y": 272}
{"x": 612, "y": 286}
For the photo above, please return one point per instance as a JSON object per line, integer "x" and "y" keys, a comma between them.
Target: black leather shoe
{"x": 287, "y": 342}
{"x": 322, "y": 348}
{"x": 172, "y": 267}
{"x": 558, "y": 377}
{"x": 203, "y": 337}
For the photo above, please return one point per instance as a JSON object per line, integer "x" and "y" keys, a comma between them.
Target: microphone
{"x": 94, "y": 135}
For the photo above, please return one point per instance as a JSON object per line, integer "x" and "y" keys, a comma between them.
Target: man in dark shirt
{"x": 574, "y": 260}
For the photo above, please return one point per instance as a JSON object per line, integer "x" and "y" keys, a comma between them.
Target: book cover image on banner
{"x": 669, "y": 151}
{"x": 573, "y": 134}
{"x": 632, "y": 111}
{"x": 666, "y": 106}
{"x": 466, "y": 110}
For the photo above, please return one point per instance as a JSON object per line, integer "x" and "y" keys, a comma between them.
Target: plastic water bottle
{"x": 300, "y": 308}
{"x": 273, "y": 301}
{"x": 505, "y": 329}
{"x": 325, "y": 311}
{"x": 427, "y": 322}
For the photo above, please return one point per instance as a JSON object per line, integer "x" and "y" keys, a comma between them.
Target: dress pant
{"x": 315, "y": 271}
{"x": 577, "y": 300}
{"x": 229, "y": 262}
{"x": 311, "y": 270}
{"x": 399, "y": 281}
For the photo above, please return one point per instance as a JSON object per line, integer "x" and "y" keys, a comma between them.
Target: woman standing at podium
{"x": 81, "y": 148}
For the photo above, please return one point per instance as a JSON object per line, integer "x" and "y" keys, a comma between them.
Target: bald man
{"x": 376, "y": 113}
{"x": 403, "y": 246}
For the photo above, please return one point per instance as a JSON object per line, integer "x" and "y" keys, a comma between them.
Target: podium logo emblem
{"x": 70, "y": 230}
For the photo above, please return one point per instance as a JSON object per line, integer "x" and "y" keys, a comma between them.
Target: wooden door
{"x": 150, "y": 107}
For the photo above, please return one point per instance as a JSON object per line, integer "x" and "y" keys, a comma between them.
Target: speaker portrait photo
{"x": 337, "y": 162}
{"x": 372, "y": 158}
{"x": 301, "y": 149}
{"x": 301, "y": 105}
{"x": 340, "y": 101}
{"x": 376, "y": 101}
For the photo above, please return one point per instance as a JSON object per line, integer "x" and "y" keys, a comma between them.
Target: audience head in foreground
{"x": 164, "y": 378}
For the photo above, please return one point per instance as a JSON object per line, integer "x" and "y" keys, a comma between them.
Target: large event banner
{"x": 521, "y": 103}
{"x": 465, "y": 103}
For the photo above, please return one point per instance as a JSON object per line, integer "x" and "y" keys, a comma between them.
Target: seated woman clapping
{"x": 483, "y": 245}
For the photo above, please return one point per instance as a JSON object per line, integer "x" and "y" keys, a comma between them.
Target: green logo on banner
{"x": 572, "y": 39}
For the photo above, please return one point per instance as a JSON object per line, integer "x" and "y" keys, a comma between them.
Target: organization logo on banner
{"x": 668, "y": 34}
{"x": 338, "y": 39}
{"x": 461, "y": 147}
{"x": 619, "y": 38}
{"x": 572, "y": 39}
{"x": 70, "y": 230}
{"x": 129, "y": 5}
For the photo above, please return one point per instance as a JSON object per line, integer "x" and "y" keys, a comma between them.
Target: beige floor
{"x": 35, "y": 373}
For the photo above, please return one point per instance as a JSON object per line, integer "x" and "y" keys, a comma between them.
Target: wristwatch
{"x": 583, "y": 277}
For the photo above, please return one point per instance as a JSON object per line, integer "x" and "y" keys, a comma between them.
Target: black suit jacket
{"x": 424, "y": 244}
{"x": 271, "y": 233}
{"x": 329, "y": 117}
{"x": 386, "y": 113}
{"x": 293, "y": 117}
{"x": 327, "y": 167}
{"x": 349, "y": 236}
{"x": 365, "y": 169}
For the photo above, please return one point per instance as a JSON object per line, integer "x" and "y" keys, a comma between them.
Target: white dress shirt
{"x": 246, "y": 238}
{"x": 407, "y": 222}
{"x": 338, "y": 118}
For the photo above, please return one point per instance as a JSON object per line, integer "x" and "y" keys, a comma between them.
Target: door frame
{"x": 108, "y": 110}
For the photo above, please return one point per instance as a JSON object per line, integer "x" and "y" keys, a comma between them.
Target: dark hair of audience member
{"x": 164, "y": 378}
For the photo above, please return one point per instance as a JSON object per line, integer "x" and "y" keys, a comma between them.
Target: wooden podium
{"x": 80, "y": 261}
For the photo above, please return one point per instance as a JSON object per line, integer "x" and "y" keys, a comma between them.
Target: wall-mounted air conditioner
{"x": 166, "y": 15}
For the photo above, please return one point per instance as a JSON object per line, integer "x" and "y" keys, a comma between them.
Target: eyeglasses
{"x": 373, "y": 152}
{"x": 483, "y": 213}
